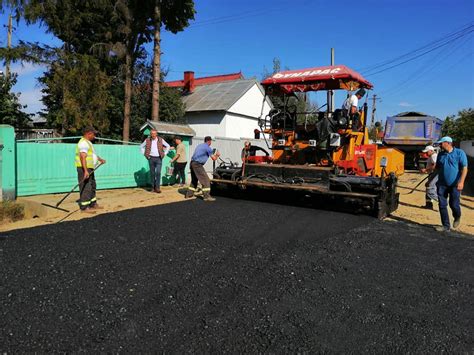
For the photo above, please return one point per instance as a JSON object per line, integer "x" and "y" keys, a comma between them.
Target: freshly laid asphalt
{"x": 235, "y": 276}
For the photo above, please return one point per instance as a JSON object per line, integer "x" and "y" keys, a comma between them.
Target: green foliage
{"x": 102, "y": 54}
{"x": 171, "y": 105}
{"x": 175, "y": 15}
{"x": 76, "y": 93}
{"x": 304, "y": 107}
{"x": 10, "y": 109}
{"x": 460, "y": 127}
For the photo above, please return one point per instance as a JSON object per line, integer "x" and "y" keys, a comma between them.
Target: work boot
{"x": 189, "y": 194}
{"x": 442, "y": 229}
{"x": 87, "y": 210}
{"x": 96, "y": 207}
{"x": 207, "y": 197}
{"x": 157, "y": 190}
{"x": 457, "y": 222}
{"x": 429, "y": 205}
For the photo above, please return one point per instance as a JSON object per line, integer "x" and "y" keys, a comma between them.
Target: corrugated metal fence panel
{"x": 230, "y": 148}
{"x": 44, "y": 168}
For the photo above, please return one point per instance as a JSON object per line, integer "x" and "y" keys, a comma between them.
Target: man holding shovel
{"x": 86, "y": 162}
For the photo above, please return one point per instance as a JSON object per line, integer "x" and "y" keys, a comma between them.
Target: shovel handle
{"x": 75, "y": 186}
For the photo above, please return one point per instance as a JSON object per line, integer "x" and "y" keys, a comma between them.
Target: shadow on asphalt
{"x": 431, "y": 226}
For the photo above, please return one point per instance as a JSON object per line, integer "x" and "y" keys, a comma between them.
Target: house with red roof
{"x": 227, "y": 106}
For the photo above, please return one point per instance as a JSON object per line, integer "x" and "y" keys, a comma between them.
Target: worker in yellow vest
{"x": 86, "y": 161}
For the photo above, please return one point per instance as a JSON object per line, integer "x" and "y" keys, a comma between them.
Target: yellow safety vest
{"x": 90, "y": 155}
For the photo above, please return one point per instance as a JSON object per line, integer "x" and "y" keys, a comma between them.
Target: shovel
{"x": 70, "y": 192}
{"x": 413, "y": 190}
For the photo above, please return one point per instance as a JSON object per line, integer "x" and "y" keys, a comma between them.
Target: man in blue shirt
{"x": 202, "y": 152}
{"x": 451, "y": 166}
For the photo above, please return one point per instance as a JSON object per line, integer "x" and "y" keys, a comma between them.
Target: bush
{"x": 11, "y": 211}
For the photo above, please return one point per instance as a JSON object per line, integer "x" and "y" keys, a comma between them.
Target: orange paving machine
{"x": 329, "y": 157}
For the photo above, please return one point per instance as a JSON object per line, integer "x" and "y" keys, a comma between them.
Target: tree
{"x": 175, "y": 16}
{"x": 76, "y": 94}
{"x": 10, "y": 109}
{"x": 304, "y": 106}
{"x": 460, "y": 127}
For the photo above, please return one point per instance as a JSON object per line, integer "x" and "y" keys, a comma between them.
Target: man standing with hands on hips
{"x": 202, "y": 152}
{"x": 155, "y": 148}
{"x": 451, "y": 166}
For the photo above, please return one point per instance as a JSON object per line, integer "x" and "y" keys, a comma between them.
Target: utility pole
{"x": 9, "y": 45}
{"x": 374, "y": 108}
{"x": 331, "y": 92}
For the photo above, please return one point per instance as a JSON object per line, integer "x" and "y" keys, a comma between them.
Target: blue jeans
{"x": 454, "y": 202}
{"x": 155, "y": 171}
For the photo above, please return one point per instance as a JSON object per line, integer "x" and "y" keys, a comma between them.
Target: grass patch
{"x": 11, "y": 211}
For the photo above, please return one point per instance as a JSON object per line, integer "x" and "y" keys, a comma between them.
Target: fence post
{"x": 7, "y": 163}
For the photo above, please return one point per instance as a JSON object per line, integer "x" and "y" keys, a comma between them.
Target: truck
{"x": 410, "y": 132}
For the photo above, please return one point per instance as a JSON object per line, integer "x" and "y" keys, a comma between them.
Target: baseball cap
{"x": 428, "y": 148}
{"x": 445, "y": 139}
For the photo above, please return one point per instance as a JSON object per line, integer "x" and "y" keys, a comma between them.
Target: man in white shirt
{"x": 351, "y": 106}
{"x": 86, "y": 161}
{"x": 431, "y": 193}
{"x": 155, "y": 148}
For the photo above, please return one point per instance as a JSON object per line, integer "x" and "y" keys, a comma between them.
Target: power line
{"x": 426, "y": 68}
{"x": 422, "y": 54}
{"x": 430, "y": 44}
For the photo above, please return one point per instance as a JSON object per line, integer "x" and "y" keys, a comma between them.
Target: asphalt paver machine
{"x": 330, "y": 158}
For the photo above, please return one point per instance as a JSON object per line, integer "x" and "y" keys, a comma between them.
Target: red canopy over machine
{"x": 332, "y": 77}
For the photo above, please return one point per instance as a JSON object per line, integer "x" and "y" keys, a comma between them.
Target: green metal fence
{"x": 44, "y": 167}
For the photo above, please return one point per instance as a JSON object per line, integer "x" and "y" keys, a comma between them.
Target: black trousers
{"x": 179, "y": 173}
{"x": 87, "y": 189}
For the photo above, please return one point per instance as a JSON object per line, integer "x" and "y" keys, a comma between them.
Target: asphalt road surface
{"x": 235, "y": 276}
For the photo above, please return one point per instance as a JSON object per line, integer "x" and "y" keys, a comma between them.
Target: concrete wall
{"x": 237, "y": 126}
{"x": 209, "y": 123}
{"x": 239, "y": 121}
{"x": 250, "y": 104}
{"x": 468, "y": 147}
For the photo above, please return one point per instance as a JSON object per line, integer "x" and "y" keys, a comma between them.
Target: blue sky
{"x": 242, "y": 35}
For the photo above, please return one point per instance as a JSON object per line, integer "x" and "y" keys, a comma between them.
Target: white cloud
{"x": 405, "y": 104}
{"x": 27, "y": 68}
{"x": 31, "y": 98}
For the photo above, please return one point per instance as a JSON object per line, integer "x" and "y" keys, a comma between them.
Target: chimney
{"x": 188, "y": 82}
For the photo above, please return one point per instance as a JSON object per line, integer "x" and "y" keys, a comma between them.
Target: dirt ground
{"x": 112, "y": 201}
{"x": 122, "y": 199}
{"x": 410, "y": 205}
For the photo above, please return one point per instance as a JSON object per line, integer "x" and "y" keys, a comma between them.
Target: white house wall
{"x": 250, "y": 104}
{"x": 237, "y": 126}
{"x": 209, "y": 123}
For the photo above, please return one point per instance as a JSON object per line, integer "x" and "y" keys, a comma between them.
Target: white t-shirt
{"x": 349, "y": 102}
{"x": 431, "y": 161}
{"x": 84, "y": 148}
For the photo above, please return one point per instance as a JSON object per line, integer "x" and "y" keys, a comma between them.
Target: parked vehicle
{"x": 410, "y": 132}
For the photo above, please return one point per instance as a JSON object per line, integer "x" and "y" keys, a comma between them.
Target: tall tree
{"x": 460, "y": 127}
{"x": 76, "y": 93}
{"x": 175, "y": 16}
{"x": 11, "y": 111}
